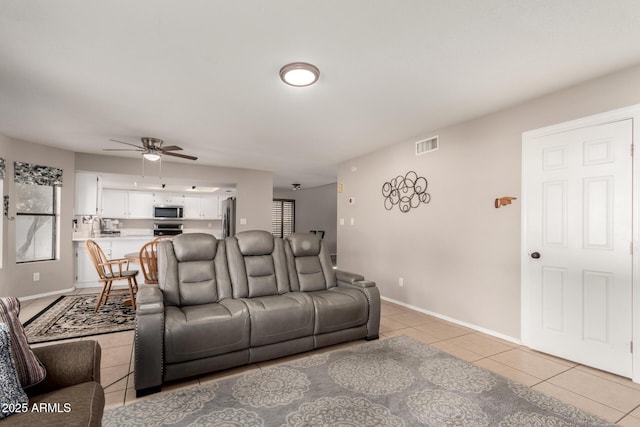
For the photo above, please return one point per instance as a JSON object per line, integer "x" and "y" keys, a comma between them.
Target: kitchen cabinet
{"x": 114, "y": 203}
{"x": 201, "y": 206}
{"x": 85, "y": 270}
{"x": 87, "y": 194}
{"x": 168, "y": 199}
{"x": 113, "y": 247}
{"x": 140, "y": 204}
{"x": 127, "y": 204}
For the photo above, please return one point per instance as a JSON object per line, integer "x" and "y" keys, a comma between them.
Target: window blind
{"x": 283, "y": 217}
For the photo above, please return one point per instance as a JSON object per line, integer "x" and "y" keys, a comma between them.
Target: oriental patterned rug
{"x": 392, "y": 382}
{"x": 73, "y": 316}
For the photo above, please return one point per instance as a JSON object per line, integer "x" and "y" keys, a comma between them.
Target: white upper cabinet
{"x": 127, "y": 204}
{"x": 87, "y": 193}
{"x": 200, "y": 206}
{"x": 114, "y": 203}
{"x": 140, "y": 204}
{"x": 168, "y": 199}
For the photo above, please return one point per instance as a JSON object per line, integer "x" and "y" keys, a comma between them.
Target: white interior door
{"x": 577, "y": 236}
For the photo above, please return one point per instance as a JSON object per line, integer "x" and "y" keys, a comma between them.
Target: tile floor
{"x": 611, "y": 397}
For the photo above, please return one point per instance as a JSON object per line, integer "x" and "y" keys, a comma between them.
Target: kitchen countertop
{"x": 84, "y": 238}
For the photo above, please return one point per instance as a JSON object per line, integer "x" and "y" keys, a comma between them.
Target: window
{"x": 37, "y": 194}
{"x": 283, "y": 217}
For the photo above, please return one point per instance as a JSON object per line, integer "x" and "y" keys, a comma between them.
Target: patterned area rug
{"x": 392, "y": 382}
{"x": 73, "y": 316}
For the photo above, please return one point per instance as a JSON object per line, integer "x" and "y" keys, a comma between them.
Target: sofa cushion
{"x": 339, "y": 308}
{"x": 12, "y": 396}
{"x": 199, "y": 331}
{"x": 192, "y": 270}
{"x": 257, "y": 264}
{"x": 195, "y": 247}
{"x": 255, "y": 242}
{"x": 304, "y": 244}
{"x": 30, "y": 370}
{"x": 309, "y": 263}
{"x": 280, "y": 318}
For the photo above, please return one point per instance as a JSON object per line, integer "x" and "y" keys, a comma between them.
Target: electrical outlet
{"x": 36, "y": 277}
{"x": 401, "y": 282}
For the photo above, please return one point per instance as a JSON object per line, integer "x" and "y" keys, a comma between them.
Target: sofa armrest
{"x": 68, "y": 364}
{"x": 149, "y": 300}
{"x": 357, "y": 281}
{"x": 149, "y": 340}
{"x": 353, "y": 279}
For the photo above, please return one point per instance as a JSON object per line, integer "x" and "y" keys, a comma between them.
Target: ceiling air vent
{"x": 427, "y": 145}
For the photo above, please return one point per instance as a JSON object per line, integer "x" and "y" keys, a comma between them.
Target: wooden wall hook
{"x": 503, "y": 201}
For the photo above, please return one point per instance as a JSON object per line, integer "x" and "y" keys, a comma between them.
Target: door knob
{"x": 535, "y": 255}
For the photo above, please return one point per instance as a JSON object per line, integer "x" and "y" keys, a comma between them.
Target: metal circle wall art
{"x": 405, "y": 191}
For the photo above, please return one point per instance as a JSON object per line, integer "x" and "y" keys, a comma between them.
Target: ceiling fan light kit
{"x": 152, "y": 149}
{"x": 299, "y": 74}
{"x": 152, "y": 157}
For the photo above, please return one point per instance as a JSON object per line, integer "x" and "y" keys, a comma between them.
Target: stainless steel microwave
{"x": 168, "y": 212}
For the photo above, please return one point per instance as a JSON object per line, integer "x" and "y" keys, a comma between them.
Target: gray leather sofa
{"x": 245, "y": 299}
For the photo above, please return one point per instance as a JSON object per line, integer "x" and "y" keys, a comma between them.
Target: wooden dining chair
{"x": 110, "y": 270}
{"x": 149, "y": 260}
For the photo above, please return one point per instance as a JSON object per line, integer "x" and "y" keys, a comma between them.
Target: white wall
{"x": 315, "y": 210}
{"x": 458, "y": 255}
{"x": 17, "y": 279}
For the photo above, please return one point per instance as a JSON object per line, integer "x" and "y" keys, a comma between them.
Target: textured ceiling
{"x": 204, "y": 74}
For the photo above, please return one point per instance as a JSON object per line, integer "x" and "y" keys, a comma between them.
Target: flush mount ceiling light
{"x": 296, "y": 186}
{"x": 299, "y": 74}
{"x": 152, "y": 157}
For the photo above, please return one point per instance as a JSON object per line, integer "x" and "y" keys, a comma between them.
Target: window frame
{"x": 54, "y": 215}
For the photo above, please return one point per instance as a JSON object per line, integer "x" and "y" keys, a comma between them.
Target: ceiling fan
{"x": 152, "y": 149}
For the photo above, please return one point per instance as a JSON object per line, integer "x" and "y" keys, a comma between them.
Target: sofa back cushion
{"x": 309, "y": 263}
{"x": 192, "y": 270}
{"x": 257, "y": 264}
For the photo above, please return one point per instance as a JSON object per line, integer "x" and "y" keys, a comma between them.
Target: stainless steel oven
{"x": 168, "y": 212}
{"x": 166, "y": 229}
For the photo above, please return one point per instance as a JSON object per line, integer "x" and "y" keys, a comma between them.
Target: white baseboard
{"x": 456, "y": 321}
{"x": 46, "y": 294}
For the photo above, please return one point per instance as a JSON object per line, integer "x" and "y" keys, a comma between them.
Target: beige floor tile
{"x": 389, "y": 309}
{"x": 459, "y": 352}
{"x": 114, "y": 377}
{"x": 594, "y": 387}
{"x": 114, "y": 356}
{"x": 507, "y": 372}
{"x": 35, "y": 306}
{"x": 412, "y": 318}
{"x": 588, "y": 405}
{"x": 388, "y": 325}
{"x": 530, "y": 363}
{"x": 444, "y": 330}
{"x": 415, "y": 334}
{"x": 559, "y": 360}
{"x": 114, "y": 399}
{"x": 44, "y": 344}
{"x": 481, "y": 344}
{"x": 609, "y": 376}
{"x": 116, "y": 339}
{"x": 629, "y": 421}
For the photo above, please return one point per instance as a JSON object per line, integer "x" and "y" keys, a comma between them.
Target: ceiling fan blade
{"x": 184, "y": 156}
{"x": 171, "y": 148}
{"x": 122, "y": 142}
{"x": 122, "y": 149}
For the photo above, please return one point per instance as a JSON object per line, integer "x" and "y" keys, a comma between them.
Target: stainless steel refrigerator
{"x": 228, "y": 207}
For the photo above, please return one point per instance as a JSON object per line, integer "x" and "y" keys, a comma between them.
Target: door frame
{"x": 631, "y": 112}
